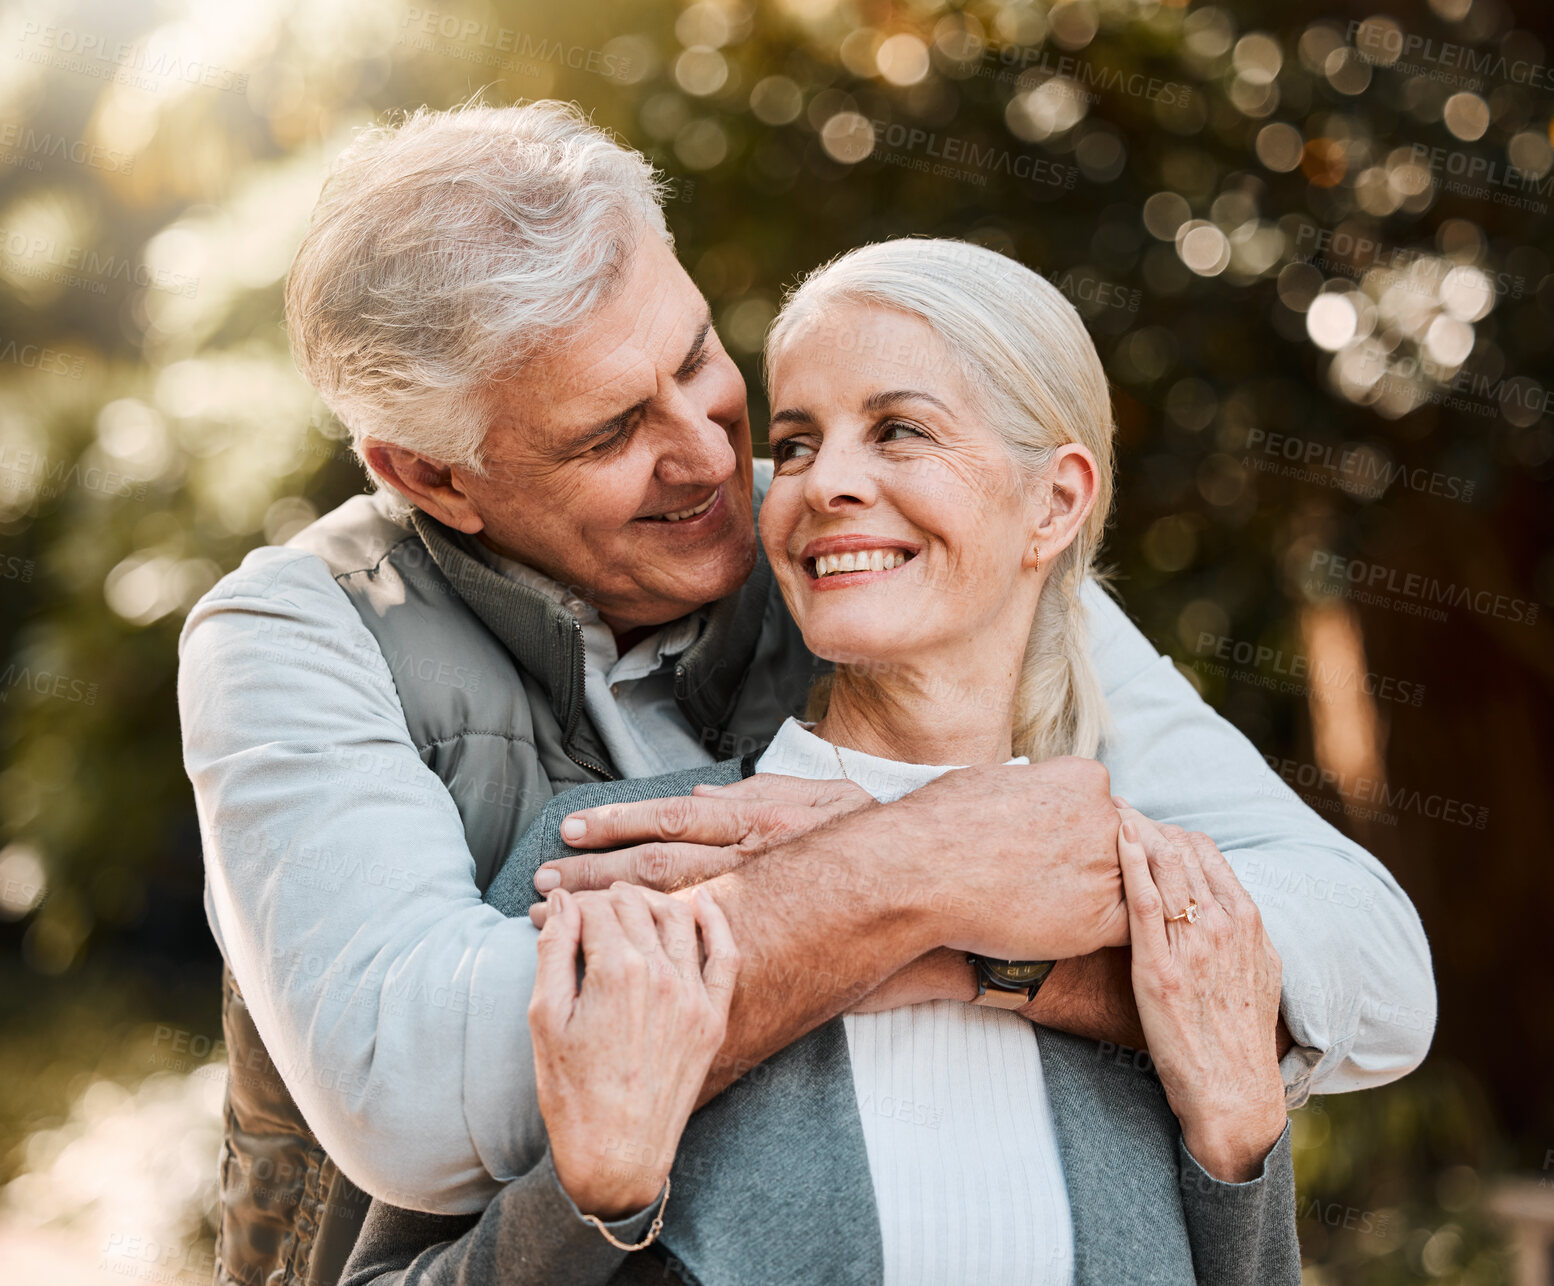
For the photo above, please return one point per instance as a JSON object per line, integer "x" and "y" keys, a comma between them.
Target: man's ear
{"x": 436, "y": 489}
{"x": 1070, "y": 495}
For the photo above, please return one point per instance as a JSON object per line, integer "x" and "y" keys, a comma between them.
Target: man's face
{"x": 620, "y": 464}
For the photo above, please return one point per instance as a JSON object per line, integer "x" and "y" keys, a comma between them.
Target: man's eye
{"x": 613, "y": 443}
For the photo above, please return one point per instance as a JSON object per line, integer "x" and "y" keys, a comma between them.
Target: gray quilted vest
{"x": 490, "y": 677}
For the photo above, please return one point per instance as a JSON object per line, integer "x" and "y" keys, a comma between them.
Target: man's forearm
{"x": 1091, "y": 996}
{"x": 820, "y": 922}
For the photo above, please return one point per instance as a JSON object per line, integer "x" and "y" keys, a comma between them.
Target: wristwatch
{"x": 1008, "y": 984}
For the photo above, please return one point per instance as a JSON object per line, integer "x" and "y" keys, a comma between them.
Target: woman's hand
{"x": 1208, "y": 995}
{"x": 619, "y": 1059}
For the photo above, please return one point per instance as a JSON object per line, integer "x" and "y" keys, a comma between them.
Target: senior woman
{"x": 942, "y": 440}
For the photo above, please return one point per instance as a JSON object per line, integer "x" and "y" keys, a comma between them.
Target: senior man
{"x": 557, "y": 581}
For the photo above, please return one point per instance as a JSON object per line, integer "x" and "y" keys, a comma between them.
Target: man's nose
{"x": 697, "y": 452}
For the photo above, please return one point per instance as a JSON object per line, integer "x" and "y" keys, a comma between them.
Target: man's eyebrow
{"x": 697, "y": 345}
{"x": 879, "y": 401}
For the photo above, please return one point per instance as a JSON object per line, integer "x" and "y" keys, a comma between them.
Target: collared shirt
{"x": 629, "y": 699}
{"x": 962, "y": 1150}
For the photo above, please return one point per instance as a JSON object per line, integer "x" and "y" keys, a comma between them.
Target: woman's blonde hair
{"x": 1034, "y": 375}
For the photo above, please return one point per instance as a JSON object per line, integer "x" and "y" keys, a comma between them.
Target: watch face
{"x": 1018, "y": 973}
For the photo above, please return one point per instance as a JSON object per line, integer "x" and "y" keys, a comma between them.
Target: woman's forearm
{"x": 530, "y": 1235}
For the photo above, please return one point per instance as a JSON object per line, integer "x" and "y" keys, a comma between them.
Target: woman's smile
{"x": 836, "y": 562}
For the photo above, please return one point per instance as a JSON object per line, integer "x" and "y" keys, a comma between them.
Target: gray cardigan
{"x": 771, "y": 1183}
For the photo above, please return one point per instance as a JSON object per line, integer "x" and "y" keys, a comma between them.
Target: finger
{"x": 1218, "y": 878}
{"x": 1165, "y": 865}
{"x": 788, "y": 790}
{"x": 1146, "y": 908}
{"x": 555, "y": 970}
{"x": 661, "y": 866}
{"x": 1208, "y": 904}
{"x": 604, "y": 945}
{"x": 693, "y": 819}
{"x": 1232, "y": 895}
{"x": 676, "y": 924}
{"x": 722, "y": 964}
{"x": 636, "y": 919}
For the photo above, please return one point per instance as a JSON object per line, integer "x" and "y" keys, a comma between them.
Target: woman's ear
{"x": 1069, "y": 496}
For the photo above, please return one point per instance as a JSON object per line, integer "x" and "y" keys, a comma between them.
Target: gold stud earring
{"x": 1038, "y": 557}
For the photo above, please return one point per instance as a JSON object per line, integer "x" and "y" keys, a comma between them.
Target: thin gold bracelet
{"x": 657, "y": 1227}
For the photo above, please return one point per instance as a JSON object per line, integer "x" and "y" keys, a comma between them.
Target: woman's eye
{"x": 790, "y": 449}
{"x": 895, "y": 430}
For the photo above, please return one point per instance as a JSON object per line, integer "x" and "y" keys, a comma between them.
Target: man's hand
{"x": 668, "y": 844}
{"x": 1016, "y": 862}
{"x": 1013, "y": 861}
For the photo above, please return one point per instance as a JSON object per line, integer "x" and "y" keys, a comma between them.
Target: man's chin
{"x": 730, "y": 567}
{"x": 717, "y": 574}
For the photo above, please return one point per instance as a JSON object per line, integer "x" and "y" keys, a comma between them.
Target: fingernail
{"x": 546, "y": 878}
{"x": 1130, "y": 832}
{"x": 574, "y": 828}
{"x": 1121, "y": 802}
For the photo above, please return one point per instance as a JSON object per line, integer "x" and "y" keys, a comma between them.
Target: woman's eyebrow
{"x": 791, "y": 415}
{"x": 880, "y": 401}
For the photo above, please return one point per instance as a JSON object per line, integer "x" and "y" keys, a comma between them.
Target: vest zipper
{"x": 580, "y": 679}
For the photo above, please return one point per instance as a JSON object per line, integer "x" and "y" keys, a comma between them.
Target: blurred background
{"x": 1312, "y": 241}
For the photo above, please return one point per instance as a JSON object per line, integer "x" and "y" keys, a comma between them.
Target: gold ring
{"x": 1190, "y": 914}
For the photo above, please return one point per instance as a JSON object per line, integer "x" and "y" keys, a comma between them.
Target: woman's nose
{"x": 839, "y": 477}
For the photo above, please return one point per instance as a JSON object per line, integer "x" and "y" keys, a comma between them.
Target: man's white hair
{"x": 449, "y": 249}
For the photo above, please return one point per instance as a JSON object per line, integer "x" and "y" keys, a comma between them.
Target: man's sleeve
{"x": 1359, "y": 994}
{"x": 341, "y": 890}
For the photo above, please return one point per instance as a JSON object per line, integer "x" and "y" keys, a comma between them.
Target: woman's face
{"x": 900, "y": 530}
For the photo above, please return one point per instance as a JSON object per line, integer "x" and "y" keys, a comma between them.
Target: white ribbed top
{"x": 965, "y": 1162}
